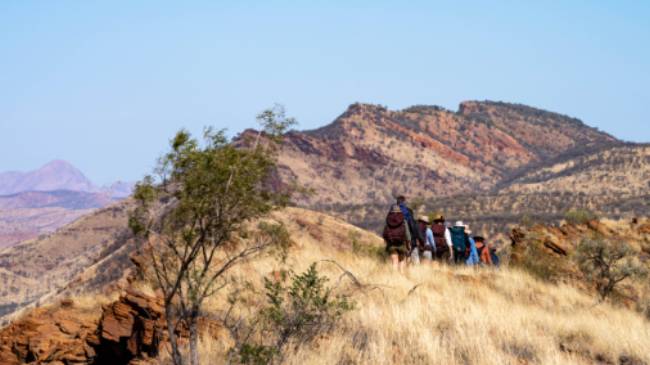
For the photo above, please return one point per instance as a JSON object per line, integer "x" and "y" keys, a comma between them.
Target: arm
{"x": 430, "y": 240}
{"x": 487, "y": 256}
{"x": 449, "y": 243}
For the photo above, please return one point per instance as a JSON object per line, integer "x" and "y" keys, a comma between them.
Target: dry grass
{"x": 439, "y": 315}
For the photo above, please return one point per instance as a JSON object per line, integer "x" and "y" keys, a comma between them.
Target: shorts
{"x": 399, "y": 249}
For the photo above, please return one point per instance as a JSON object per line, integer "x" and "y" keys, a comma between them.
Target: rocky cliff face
{"x": 370, "y": 153}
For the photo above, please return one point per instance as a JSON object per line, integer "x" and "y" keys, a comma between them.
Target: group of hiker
{"x": 411, "y": 239}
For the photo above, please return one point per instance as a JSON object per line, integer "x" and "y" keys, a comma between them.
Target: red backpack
{"x": 439, "y": 236}
{"x": 395, "y": 229}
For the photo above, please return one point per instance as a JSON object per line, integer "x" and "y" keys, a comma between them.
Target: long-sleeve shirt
{"x": 430, "y": 242}
{"x": 473, "y": 253}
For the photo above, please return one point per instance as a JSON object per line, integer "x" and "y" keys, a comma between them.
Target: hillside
{"x": 39, "y": 202}
{"x": 36, "y": 268}
{"x": 370, "y": 153}
{"x": 609, "y": 181}
{"x": 432, "y": 314}
{"x": 27, "y": 215}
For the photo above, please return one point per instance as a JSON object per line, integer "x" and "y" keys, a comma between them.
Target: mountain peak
{"x": 55, "y": 175}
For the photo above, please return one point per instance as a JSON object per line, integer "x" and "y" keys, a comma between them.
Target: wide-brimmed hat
{"x": 438, "y": 217}
{"x": 424, "y": 218}
{"x": 459, "y": 224}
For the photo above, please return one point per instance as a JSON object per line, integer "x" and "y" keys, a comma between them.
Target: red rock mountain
{"x": 370, "y": 153}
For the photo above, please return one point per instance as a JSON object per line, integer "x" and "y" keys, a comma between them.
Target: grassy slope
{"x": 436, "y": 314}
{"x": 440, "y": 315}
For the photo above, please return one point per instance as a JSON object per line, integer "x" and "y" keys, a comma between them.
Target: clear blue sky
{"x": 104, "y": 85}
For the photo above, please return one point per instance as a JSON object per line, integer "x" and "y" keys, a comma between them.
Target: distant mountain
{"x": 40, "y": 201}
{"x": 55, "y": 175}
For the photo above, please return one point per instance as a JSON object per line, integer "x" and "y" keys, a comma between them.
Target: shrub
{"x": 606, "y": 264}
{"x": 295, "y": 314}
{"x": 579, "y": 216}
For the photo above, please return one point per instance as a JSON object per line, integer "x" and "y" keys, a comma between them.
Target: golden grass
{"x": 440, "y": 315}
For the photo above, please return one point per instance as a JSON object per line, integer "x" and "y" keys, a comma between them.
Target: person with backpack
{"x": 463, "y": 244}
{"x": 427, "y": 246}
{"x": 487, "y": 254}
{"x": 412, "y": 228}
{"x": 397, "y": 237}
{"x": 442, "y": 239}
{"x": 483, "y": 250}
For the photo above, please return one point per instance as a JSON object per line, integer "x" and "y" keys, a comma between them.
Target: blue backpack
{"x": 459, "y": 239}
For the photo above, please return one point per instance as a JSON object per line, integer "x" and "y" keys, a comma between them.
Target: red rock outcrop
{"x": 125, "y": 331}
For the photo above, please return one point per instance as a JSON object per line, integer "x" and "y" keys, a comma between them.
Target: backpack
{"x": 495, "y": 258}
{"x": 439, "y": 236}
{"x": 395, "y": 232}
{"x": 459, "y": 239}
{"x": 422, "y": 240}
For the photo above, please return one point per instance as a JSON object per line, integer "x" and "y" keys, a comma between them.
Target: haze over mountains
{"x": 40, "y": 201}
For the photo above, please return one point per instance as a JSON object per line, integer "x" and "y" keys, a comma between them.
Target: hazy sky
{"x": 104, "y": 85}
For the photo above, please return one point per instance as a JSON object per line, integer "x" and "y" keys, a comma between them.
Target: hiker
{"x": 397, "y": 237}
{"x": 471, "y": 252}
{"x": 412, "y": 228}
{"x": 463, "y": 244}
{"x": 442, "y": 239}
{"x": 483, "y": 249}
{"x": 426, "y": 247}
{"x": 487, "y": 254}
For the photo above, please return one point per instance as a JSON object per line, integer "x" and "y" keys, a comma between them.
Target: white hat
{"x": 459, "y": 224}
{"x": 424, "y": 218}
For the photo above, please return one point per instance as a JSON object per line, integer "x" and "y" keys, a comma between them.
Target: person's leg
{"x": 394, "y": 258}
{"x": 402, "y": 263}
{"x": 459, "y": 257}
{"x": 415, "y": 256}
{"x": 427, "y": 256}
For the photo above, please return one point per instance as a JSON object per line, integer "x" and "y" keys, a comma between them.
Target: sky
{"x": 105, "y": 84}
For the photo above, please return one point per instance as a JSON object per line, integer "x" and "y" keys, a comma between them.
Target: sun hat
{"x": 395, "y": 209}
{"x": 459, "y": 224}
{"x": 424, "y": 218}
{"x": 438, "y": 217}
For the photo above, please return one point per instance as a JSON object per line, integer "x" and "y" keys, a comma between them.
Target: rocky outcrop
{"x": 131, "y": 327}
{"x": 124, "y": 331}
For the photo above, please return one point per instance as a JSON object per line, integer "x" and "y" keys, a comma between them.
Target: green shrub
{"x": 295, "y": 314}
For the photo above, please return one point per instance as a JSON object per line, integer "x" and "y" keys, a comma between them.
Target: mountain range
{"x": 40, "y": 201}
{"x": 495, "y": 165}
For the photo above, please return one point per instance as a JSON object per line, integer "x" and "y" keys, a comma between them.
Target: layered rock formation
{"x": 128, "y": 329}
{"x": 370, "y": 153}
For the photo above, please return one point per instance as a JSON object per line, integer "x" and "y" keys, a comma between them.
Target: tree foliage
{"x": 192, "y": 218}
{"x": 606, "y": 264}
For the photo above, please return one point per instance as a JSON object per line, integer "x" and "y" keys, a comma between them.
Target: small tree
{"x": 189, "y": 221}
{"x": 606, "y": 264}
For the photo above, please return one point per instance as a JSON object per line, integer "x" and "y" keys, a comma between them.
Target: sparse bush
{"x": 606, "y": 264}
{"x": 295, "y": 314}
{"x": 579, "y": 216}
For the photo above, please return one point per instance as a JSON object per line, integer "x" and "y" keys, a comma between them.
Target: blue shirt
{"x": 430, "y": 240}
{"x": 473, "y": 253}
